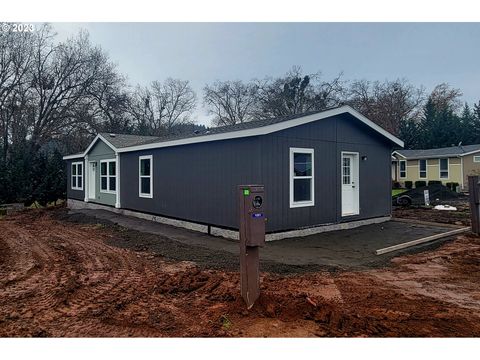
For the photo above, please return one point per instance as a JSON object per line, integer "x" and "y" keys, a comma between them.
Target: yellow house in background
{"x": 449, "y": 165}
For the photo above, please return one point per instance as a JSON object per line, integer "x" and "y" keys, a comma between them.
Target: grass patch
{"x": 397, "y": 191}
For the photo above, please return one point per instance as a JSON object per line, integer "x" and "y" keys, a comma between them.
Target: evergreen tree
{"x": 409, "y": 133}
{"x": 439, "y": 127}
{"x": 468, "y": 129}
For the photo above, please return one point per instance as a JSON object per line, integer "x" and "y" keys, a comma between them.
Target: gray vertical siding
{"x": 197, "y": 182}
{"x": 74, "y": 194}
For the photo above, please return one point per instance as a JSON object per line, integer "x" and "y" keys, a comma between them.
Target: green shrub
{"x": 408, "y": 184}
{"x": 434, "y": 182}
{"x": 452, "y": 185}
{"x": 396, "y": 185}
{"x": 420, "y": 183}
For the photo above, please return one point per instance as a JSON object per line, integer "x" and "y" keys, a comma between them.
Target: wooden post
{"x": 473, "y": 190}
{"x": 252, "y": 236}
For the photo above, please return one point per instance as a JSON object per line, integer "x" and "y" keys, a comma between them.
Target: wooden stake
{"x": 420, "y": 241}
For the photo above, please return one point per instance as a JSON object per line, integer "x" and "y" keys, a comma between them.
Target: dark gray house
{"x": 321, "y": 171}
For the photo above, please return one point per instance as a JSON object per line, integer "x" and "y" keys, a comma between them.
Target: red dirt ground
{"x": 62, "y": 279}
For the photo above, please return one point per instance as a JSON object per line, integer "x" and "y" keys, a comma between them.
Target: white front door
{"x": 350, "y": 184}
{"x": 92, "y": 180}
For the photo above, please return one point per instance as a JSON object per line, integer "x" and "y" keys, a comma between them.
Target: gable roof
{"x": 252, "y": 128}
{"x": 115, "y": 142}
{"x": 451, "y": 151}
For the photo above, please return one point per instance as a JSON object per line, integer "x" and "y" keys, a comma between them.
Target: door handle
{"x": 353, "y": 186}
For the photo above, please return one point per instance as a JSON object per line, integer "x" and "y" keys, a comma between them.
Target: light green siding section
{"x": 101, "y": 151}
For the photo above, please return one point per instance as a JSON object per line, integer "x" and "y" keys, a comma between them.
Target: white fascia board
{"x": 469, "y": 153}
{"x": 397, "y": 153}
{"x": 267, "y": 130}
{"x": 446, "y": 156}
{"x": 72, "y": 157}
{"x": 98, "y": 137}
{"x": 374, "y": 126}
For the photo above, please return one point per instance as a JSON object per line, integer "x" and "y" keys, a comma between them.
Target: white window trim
{"x": 478, "y": 157}
{"x": 108, "y": 176}
{"x": 440, "y": 169}
{"x": 140, "y": 176}
{"x": 77, "y": 176}
{"x": 420, "y": 171}
{"x": 295, "y": 204}
{"x": 400, "y": 169}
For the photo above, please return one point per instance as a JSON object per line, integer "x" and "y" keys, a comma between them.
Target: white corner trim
{"x": 98, "y": 137}
{"x": 85, "y": 179}
{"x": 117, "y": 181}
{"x": 140, "y": 194}
{"x": 296, "y": 204}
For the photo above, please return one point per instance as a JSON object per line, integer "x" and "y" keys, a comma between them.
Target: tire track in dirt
{"x": 80, "y": 278}
{"x": 64, "y": 279}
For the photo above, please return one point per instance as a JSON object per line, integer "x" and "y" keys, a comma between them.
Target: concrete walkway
{"x": 353, "y": 248}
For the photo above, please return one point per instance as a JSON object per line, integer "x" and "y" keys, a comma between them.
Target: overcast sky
{"x": 425, "y": 54}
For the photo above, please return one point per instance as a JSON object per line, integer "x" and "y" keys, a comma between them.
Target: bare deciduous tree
{"x": 230, "y": 102}
{"x": 162, "y": 106}
{"x": 443, "y": 96}
{"x": 15, "y": 60}
{"x": 296, "y": 93}
{"x": 387, "y": 103}
{"x": 62, "y": 75}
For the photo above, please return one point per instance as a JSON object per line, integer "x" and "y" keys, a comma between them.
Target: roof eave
{"x": 269, "y": 129}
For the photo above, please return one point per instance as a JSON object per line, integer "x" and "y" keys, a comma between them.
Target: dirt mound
{"x": 64, "y": 279}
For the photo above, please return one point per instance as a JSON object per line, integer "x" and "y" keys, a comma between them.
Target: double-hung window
{"x": 145, "y": 174}
{"x": 422, "y": 168}
{"x": 402, "y": 169}
{"x": 77, "y": 176}
{"x": 444, "y": 168}
{"x": 108, "y": 176}
{"x": 301, "y": 177}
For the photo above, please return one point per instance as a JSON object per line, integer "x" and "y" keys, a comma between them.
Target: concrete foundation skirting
{"x": 230, "y": 234}
{"x": 78, "y": 204}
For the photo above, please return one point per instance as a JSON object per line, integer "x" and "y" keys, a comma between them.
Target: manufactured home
{"x": 319, "y": 169}
{"x": 449, "y": 165}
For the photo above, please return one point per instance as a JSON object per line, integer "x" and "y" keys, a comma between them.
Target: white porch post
{"x": 117, "y": 158}
{"x": 85, "y": 178}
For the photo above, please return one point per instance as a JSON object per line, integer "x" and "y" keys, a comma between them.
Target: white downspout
{"x": 117, "y": 202}
{"x": 463, "y": 175}
{"x": 86, "y": 174}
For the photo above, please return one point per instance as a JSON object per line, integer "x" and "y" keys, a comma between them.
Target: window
{"x": 145, "y": 174}
{"x": 443, "y": 168}
{"x": 108, "y": 176}
{"x": 346, "y": 171}
{"x": 476, "y": 158}
{"x": 422, "y": 168}
{"x": 403, "y": 169}
{"x": 301, "y": 177}
{"x": 77, "y": 176}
